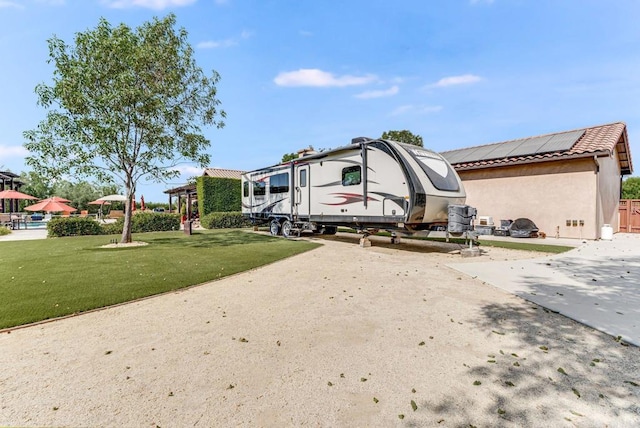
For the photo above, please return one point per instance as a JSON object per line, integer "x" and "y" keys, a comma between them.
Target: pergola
{"x": 187, "y": 192}
{"x": 9, "y": 181}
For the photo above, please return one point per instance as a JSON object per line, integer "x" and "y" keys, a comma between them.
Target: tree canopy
{"x": 288, "y": 157}
{"x": 403, "y": 136}
{"x": 631, "y": 188}
{"x": 124, "y": 104}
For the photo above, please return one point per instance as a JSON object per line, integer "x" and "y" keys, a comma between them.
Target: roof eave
{"x": 601, "y": 153}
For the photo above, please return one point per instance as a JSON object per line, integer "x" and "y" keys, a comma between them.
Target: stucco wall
{"x": 547, "y": 193}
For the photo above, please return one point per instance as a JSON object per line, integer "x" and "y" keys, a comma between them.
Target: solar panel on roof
{"x": 522, "y": 147}
{"x": 561, "y": 142}
{"x": 483, "y": 152}
{"x": 458, "y": 156}
{"x": 503, "y": 149}
{"x": 529, "y": 146}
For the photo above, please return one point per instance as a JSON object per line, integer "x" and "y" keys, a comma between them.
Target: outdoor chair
{"x": 5, "y": 220}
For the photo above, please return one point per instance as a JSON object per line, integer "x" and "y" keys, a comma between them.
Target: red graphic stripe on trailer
{"x": 349, "y": 198}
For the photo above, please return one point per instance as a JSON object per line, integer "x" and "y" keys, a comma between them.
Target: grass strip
{"x": 49, "y": 278}
{"x": 524, "y": 246}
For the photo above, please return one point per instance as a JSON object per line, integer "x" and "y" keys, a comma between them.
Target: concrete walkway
{"x": 597, "y": 284}
{"x": 25, "y": 234}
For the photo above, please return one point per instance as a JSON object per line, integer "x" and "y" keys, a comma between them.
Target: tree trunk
{"x": 126, "y": 229}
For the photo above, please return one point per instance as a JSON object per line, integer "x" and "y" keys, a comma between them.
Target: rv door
{"x": 302, "y": 190}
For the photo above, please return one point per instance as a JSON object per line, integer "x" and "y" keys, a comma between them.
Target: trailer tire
{"x": 274, "y": 227}
{"x": 286, "y": 228}
{"x": 329, "y": 230}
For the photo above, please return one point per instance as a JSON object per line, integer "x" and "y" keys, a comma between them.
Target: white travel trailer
{"x": 367, "y": 185}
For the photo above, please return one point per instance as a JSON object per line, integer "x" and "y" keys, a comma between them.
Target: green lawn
{"x": 49, "y": 278}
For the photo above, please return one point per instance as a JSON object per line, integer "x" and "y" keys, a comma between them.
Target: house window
{"x": 259, "y": 188}
{"x": 245, "y": 189}
{"x": 279, "y": 183}
{"x": 303, "y": 178}
{"x": 351, "y": 176}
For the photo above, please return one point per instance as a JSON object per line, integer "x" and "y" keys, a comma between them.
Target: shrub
{"x": 225, "y": 220}
{"x": 142, "y": 222}
{"x": 4, "y": 231}
{"x": 73, "y": 226}
{"x": 153, "y": 222}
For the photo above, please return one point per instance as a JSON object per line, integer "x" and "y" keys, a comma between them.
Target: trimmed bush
{"x": 153, "y": 222}
{"x": 4, "y": 230}
{"x": 73, "y": 226}
{"x": 225, "y": 220}
{"x": 143, "y": 222}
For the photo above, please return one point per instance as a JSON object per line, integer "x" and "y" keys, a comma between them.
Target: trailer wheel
{"x": 330, "y": 230}
{"x": 274, "y": 227}
{"x": 286, "y": 228}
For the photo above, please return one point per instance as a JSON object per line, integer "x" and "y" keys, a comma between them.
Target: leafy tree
{"x": 80, "y": 194}
{"x": 631, "y": 188}
{"x": 124, "y": 104}
{"x": 403, "y": 136}
{"x": 36, "y": 185}
{"x": 289, "y": 157}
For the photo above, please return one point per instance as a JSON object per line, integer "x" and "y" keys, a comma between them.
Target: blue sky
{"x": 297, "y": 73}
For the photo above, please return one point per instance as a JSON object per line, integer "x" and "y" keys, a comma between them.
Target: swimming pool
{"x": 36, "y": 225}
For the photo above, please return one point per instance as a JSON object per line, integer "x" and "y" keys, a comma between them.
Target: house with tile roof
{"x": 568, "y": 183}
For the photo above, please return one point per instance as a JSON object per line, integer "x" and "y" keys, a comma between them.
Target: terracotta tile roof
{"x": 597, "y": 140}
{"x": 223, "y": 173}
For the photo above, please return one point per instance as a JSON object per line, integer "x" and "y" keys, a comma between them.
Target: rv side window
{"x": 259, "y": 188}
{"x": 279, "y": 183}
{"x": 351, "y": 176}
{"x": 245, "y": 189}
{"x": 303, "y": 178}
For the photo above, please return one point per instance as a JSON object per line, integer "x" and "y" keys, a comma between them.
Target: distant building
{"x": 568, "y": 183}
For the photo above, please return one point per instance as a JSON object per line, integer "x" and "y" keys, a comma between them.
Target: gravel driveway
{"x": 339, "y": 336}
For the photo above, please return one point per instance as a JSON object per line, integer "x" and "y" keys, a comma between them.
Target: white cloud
{"x": 226, "y": 43}
{"x": 12, "y": 151}
{"x": 378, "y": 94}
{"x": 8, "y": 4}
{"x": 464, "y": 79}
{"x": 189, "y": 170}
{"x": 149, "y": 4}
{"x": 305, "y": 33}
{"x": 413, "y": 109}
{"x": 319, "y": 78}
{"x": 481, "y": 1}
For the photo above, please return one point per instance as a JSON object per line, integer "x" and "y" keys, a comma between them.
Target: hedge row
{"x": 142, "y": 222}
{"x": 225, "y": 220}
{"x": 73, "y": 226}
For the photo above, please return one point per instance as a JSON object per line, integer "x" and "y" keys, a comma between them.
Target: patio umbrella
{"x": 101, "y": 203}
{"x": 112, "y": 198}
{"x": 142, "y": 206}
{"x": 49, "y": 205}
{"x": 14, "y": 194}
{"x": 56, "y": 199}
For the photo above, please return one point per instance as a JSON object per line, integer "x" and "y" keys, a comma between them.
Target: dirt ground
{"x": 339, "y": 336}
